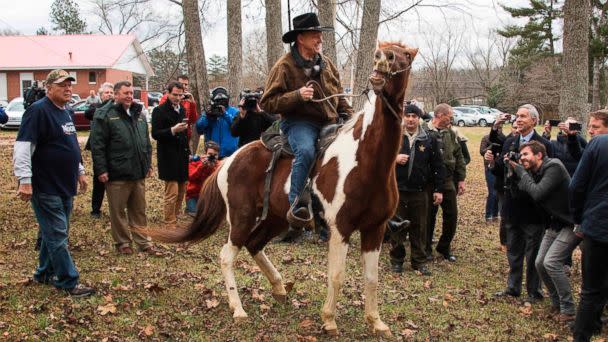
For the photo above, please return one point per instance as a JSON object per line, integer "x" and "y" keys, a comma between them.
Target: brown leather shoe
{"x": 126, "y": 250}
{"x": 565, "y": 318}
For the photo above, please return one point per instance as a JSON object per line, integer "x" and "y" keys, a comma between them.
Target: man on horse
{"x": 296, "y": 81}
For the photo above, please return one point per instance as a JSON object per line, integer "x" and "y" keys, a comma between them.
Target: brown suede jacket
{"x": 282, "y": 94}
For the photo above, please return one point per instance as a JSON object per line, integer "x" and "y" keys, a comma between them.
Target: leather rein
{"x": 365, "y": 92}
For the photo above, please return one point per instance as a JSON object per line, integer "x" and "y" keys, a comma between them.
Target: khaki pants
{"x": 129, "y": 195}
{"x": 174, "y": 197}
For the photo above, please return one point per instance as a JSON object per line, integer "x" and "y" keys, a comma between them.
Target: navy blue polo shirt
{"x": 57, "y": 155}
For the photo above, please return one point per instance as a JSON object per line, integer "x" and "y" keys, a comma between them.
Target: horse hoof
{"x": 240, "y": 317}
{"x": 331, "y": 332}
{"x": 281, "y": 298}
{"x": 381, "y": 332}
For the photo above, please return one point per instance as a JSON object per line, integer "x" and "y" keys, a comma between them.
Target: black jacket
{"x": 569, "y": 150}
{"x": 549, "y": 188}
{"x": 589, "y": 190}
{"x": 251, "y": 127}
{"x": 424, "y": 166}
{"x": 172, "y": 150}
{"x": 88, "y": 114}
{"x": 518, "y": 207}
{"x": 120, "y": 144}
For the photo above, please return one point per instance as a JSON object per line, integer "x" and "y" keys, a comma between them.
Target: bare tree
{"x": 235, "y": 49}
{"x": 197, "y": 68}
{"x": 367, "y": 43}
{"x": 255, "y": 67}
{"x": 153, "y": 28}
{"x": 327, "y": 17}
{"x": 599, "y": 46}
{"x": 274, "y": 28}
{"x": 439, "y": 57}
{"x": 575, "y": 60}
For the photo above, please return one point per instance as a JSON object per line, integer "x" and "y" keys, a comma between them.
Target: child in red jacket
{"x": 199, "y": 170}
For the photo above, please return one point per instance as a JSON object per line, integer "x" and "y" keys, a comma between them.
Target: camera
{"x": 575, "y": 126}
{"x": 219, "y": 99}
{"x": 211, "y": 158}
{"x": 514, "y": 156}
{"x": 33, "y": 94}
{"x": 495, "y": 148}
{"x": 554, "y": 123}
{"x": 251, "y": 99}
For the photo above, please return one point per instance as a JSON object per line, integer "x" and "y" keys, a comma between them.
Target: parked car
{"x": 482, "y": 119}
{"x": 75, "y": 98}
{"x": 154, "y": 98}
{"x": 15, "y": 111}
{"x": 79, "y": 119}
{"x": 3, "y": 104}
{"x": 463, "y": 119}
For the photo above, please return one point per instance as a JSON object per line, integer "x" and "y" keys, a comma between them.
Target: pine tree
{"x": 65, "y": 15}
{"x": 536, "y": 37}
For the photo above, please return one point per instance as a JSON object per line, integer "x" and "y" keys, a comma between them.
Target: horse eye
{"x": 377, "y": 55}
{"x": 391, "y": 56}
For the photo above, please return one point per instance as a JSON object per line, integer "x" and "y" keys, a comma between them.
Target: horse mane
{"x": 385, "y": 44}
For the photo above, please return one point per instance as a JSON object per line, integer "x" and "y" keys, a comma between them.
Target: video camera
{"x": 251, "y": 99}
{"x": 219, "y": 99}
{"x": 33, "y": 94}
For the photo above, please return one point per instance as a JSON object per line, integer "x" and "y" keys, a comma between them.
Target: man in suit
{"x": 169, "y": 129}
{"x": 524, "y": 221}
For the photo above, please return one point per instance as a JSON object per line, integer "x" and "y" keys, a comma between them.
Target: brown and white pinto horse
{"x": 355, "y": 182}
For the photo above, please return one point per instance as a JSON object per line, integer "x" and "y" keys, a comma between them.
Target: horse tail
{"x": 210, "y": 214}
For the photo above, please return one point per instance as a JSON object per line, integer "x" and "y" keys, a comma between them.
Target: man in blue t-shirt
{"x": 47, "y": 163}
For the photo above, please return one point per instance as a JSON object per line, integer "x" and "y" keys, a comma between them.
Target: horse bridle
{"x": 365, "y": 91}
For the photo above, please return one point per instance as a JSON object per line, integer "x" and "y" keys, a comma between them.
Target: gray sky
{"x": 27, "y": 16}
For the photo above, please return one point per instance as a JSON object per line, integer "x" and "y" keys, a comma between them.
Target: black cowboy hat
{"x": 303, "y": 23}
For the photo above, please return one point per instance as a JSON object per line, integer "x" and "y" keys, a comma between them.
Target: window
{"x": 92, "y": 77}
{"x": 73, "y": 74}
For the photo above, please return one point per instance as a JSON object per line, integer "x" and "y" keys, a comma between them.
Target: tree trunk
{"x": 575, "y": 61}
{"x": 365, "y": 51}
{"x": 197, "y": 68}
{"x": 595, "y": 103}
{"x": 327, "y": 17}
{"x": 274, "y": 32}
{"x": 235, "y": 50}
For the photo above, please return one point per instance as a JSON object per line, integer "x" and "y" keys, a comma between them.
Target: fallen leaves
{"x": 212, "y": 303}
{"x": 526, "y": 310}
{"x": 109, "y": 308}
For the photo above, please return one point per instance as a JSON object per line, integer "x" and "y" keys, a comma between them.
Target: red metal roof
{"x": 51, "y": 52}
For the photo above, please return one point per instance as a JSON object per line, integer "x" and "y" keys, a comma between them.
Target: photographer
{"x": 524, "y": 226}
{"x": 199, "y": 170}
{"x": 215, "y": 123}
{"x": 569, "y": 144}
{"x": 190, "y": 107}
{"x": 34, "y": 93}
{"x": 546, "y": 181}
{"x": 251, "y": 121}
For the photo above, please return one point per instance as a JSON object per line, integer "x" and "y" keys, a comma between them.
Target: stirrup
{"x": 297, "y": 221}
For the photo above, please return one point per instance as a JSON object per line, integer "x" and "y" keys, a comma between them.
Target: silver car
{"x": 463, "y": 119}
{"x": 15, "y": 111}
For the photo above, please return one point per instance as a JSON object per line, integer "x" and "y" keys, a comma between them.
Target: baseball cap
{"x": 58, "y": 76}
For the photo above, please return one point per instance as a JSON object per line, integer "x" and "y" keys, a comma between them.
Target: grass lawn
{"x": 181, "y": 296}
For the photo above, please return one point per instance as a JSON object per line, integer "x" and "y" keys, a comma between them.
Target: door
{"x": 3, "y": 87}
{"x": 25, "y": 81}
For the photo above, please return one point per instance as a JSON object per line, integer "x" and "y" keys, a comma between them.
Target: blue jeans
{"x": 555, "y": 248}
{"x": 55, "y": 262}
{"x": 492, "y": 199}
{"x": 191, "y": 205}
{"x": 302, "y": 137}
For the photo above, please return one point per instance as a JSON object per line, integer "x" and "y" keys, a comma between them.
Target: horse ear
{"x": 412, "y": 52}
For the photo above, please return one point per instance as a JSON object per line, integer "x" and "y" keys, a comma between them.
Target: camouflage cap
{"x": 58, "y": 76}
